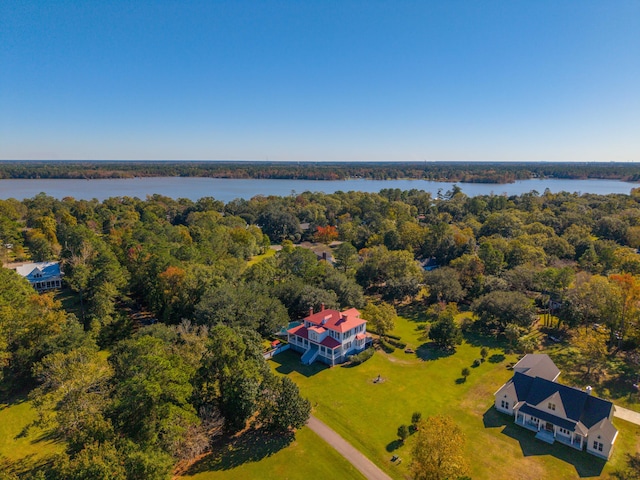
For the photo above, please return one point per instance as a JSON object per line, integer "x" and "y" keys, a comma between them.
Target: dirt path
{"x": 344, "y": 448}
{"x": 626, "y": 414}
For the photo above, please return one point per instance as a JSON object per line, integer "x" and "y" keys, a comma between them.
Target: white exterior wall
{"x": 507, "y": 395}
{"x": 600, "y": 437}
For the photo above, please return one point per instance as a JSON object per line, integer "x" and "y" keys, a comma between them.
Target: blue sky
{"x": 320, "y": 80}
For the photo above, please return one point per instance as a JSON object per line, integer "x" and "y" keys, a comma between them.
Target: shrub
{"x": 395, "y": 337}
{"x": 396, "y": 343}
{"x": 386, "y": 346}
{"x": 415, "y": 418}
{"x": 484, "y": 353}
{"x": 362, "y": 356}
{"x": 403, "y": 432}
{"x": 465, "y": 373}
{"x": 477, "y": 362}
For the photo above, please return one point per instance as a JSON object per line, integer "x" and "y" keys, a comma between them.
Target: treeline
{"x": 470, "y": 172}
{"x": 136, "y": 399}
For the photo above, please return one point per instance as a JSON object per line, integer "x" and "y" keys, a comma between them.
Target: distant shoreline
{"x": 457, "y": 172}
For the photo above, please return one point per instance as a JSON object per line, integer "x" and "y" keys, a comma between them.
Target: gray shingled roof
{"x": 537, "y": 365}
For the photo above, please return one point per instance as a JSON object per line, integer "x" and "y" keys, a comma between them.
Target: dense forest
{"x": 470, "y": 172}
{"x": 159, "y": 350}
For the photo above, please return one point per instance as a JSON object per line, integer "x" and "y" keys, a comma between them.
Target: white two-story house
{"x": 329, "y": 336}
{"x": 556, "y": 412}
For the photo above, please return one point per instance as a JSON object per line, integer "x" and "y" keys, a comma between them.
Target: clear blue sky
{"x": 320, "y": 80}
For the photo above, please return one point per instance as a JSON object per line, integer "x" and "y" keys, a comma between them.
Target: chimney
{"x": 310, "y": 311}
{"x": 588, "y": 390}
{"x": 322, "y": 307}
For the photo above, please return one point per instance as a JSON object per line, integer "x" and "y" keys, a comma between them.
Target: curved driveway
{"x": 344, "y": 448}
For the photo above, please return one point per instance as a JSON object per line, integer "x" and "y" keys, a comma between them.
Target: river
{"x": 228, "y": 189}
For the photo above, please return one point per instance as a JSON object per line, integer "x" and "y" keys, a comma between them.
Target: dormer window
{"x": 551, "y": 406}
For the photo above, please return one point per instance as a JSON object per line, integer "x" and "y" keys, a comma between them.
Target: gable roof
{"x": 583, "y": 411}
{"x": 537, "y": 365}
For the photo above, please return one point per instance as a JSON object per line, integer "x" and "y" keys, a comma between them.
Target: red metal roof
{"x": 335, "y": 320}
{"x": 300, "y": 331}
{"x": 330, "y": 342}
{"x": 361, "y": 336}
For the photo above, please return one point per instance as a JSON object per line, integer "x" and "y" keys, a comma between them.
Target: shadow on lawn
{"x": 413, "y": 312}
{"x": 429, "y": 351}
{"x": 586, "y": 465}
{"x": 25, "y": 465}
{"x": 250, "y": 446}
{"x": 392, "y": 446}
{"x": 289, "y": 362}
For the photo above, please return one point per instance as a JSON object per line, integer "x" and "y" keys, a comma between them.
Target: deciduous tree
{"x": 438, "y": 451}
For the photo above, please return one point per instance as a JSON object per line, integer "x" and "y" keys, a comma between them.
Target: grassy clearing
{"x": 368, "y": 414}
{"x": 21, "y": 446}
{"x": 308, "y": 456}
{"x": 258, "y": 258}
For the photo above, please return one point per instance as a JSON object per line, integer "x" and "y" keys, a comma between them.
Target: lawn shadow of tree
{"x": 414, "y": 312}
{"x": 497, "y": 358}
{"x": 289, "y": 362}
{"x": 26, "y": 465}
{"x": 430, "y": 351}
{"x": 393, "y": 446}
{"x": 586, "y": 465}
{"x": 249, "y": 446}
{"x": 476, "y": 339}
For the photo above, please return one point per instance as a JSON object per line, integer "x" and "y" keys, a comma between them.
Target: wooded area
{"x": 470, "y": 172}
{"x": 162, "y": 351}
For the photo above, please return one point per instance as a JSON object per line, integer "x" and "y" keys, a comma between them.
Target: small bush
{"x": 484, "y": 353}
{"x": 395, "y": 337}
{"x": 476, "y": 363}
{"x": 362, "y": 356}
{"x": 396, "y": 343}
{"x": 386, "y": 346}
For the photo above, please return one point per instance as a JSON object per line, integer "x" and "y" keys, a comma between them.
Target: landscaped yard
{"x": 368, "y": 414}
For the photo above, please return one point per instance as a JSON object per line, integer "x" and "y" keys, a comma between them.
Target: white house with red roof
{"x": 329, "y": 336}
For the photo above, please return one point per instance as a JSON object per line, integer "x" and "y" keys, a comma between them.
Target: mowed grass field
{"x": 20, "y": 446}
{"x": 307, "y": 457}
{"x": 368, "y": 413}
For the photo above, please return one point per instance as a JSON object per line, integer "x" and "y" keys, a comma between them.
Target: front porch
{"x": 548, "y": 432}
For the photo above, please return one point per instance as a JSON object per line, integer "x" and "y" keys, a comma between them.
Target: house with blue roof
{"x": 556, "y": 412}
{"x": 42, "y": 275}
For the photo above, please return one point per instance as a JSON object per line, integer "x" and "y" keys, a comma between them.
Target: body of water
{"x": 228, "y": 189}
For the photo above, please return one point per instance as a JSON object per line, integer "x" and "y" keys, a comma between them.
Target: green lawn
{"x": 307, "y": 457}
{"x": 258, "y": 258}
{"x": 368, "y": 414}
{"x": 22, "y": 447}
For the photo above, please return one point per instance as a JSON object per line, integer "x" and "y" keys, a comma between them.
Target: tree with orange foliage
{"x": 326, "y": 234}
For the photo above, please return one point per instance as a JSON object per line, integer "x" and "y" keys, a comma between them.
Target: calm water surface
{"x": 228, "y": 189}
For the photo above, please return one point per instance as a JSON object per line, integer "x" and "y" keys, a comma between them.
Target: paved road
{"x": 344, "y": 448}
{"x": 626, "y": 414}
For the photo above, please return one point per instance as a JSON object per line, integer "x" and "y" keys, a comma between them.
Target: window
{"x": 551, "y": 406}
{"x": 597, "y": 445}
{"x": 505, "y": 405}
